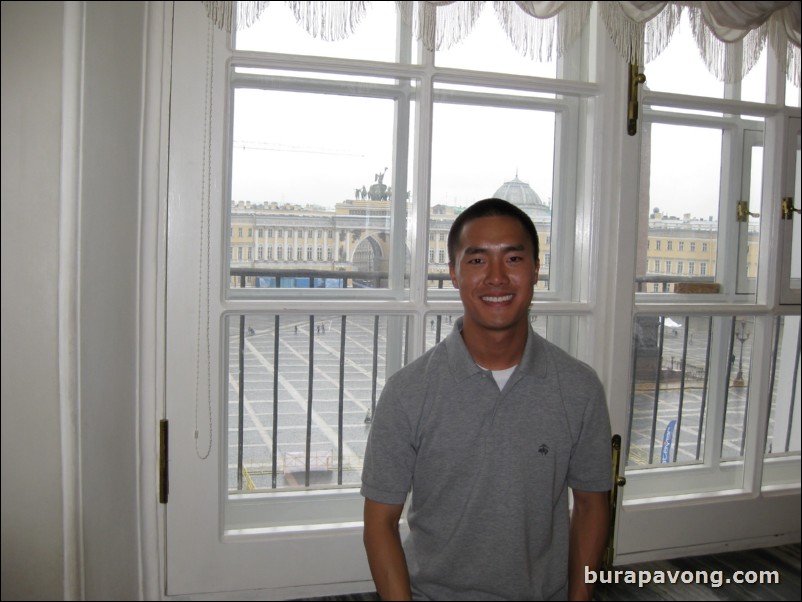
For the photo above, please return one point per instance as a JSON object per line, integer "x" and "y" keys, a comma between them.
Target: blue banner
{"x": 668, "y": 436}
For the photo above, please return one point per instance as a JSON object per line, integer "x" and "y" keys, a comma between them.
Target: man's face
{"x": 495, "y": 272}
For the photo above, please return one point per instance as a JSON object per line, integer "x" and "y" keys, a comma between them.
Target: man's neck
{"x": 495, "y": 350}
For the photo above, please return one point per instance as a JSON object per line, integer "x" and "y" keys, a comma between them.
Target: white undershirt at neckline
{"x": 501, "y": 376}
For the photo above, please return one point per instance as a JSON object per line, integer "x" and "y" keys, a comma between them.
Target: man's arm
{"x": 589, "y": 525}
{"x": 388, "y": 565}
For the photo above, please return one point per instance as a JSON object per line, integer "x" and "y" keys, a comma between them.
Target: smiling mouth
{"x": 501, "y": 299}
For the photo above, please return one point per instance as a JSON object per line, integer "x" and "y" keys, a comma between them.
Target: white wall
{"x": 31, "y": 464}
{"x": 51, "y": 549}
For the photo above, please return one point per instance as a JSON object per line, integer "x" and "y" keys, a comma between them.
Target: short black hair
{"x": 490, "y": 208}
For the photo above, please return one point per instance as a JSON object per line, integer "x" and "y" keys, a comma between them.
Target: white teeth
{"x": 497, "y": 299}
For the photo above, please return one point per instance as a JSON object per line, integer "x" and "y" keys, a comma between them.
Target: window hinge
{"x": 788, "y": 208}
{"x": 163, "y": 452}
{"x": 619, "y": 481}
{"x": 742, "y": 212}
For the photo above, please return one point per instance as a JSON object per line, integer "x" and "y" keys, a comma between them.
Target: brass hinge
{"x": 164, "y": 481}
{"x": 742, "y": 212}
{"x": 788, "y": 208}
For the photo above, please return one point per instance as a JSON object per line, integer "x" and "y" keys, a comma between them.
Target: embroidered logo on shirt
{"x": 543, "y": 450}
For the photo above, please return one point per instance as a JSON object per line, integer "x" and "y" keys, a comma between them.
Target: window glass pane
{"x": 680, "y": 69}
{"x": 784, "y": 432}
{"x": 487, "y": 48}
{"x": 676, "y": 389}
{"x": 791, "y": 94}
{"x": 482, "y": 151}
{"x": 301, "y": 393}
{"x": 678, "y": 243}
{"x": 277, "y": 30}
{"x": 753, "y": 86}
{"x": 312, "y": 196}
{"x": 670, "y": 390}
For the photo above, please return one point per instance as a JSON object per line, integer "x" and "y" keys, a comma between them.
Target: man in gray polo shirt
{"x": 489, "y": 429}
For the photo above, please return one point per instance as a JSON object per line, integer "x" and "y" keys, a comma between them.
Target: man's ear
{"x": 537, "y": 270}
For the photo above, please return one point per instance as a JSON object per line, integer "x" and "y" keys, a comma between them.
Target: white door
{"x": 711, "y": 453}
{"x": 208, "y": 549}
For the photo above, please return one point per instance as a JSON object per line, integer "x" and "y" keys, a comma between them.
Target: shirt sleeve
{"x": 390, "y": 452}
{"x": 591, "y": 466}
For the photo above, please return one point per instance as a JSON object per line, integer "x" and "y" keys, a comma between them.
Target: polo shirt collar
{"x": 533, "y": 362}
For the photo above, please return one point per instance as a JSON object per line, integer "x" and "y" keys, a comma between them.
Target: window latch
{"x": 788, "y": 208}
{"x": 635, "y": 78}
{"x": 742, "y": 212}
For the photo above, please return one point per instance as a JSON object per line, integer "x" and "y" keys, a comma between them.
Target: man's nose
{"x": 496, "y": 271}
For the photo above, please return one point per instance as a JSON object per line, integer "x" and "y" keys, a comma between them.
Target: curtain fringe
{"x": 534, "y": 36}
{"x": 537, "y": 29}
{"x": 227, "y": 15}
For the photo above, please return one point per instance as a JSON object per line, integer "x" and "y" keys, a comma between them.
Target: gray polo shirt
{"x": 490, "y": 469}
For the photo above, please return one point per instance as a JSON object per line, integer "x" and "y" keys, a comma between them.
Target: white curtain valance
{"x": 639, "y": 30}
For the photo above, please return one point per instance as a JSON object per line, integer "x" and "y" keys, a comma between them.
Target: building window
{"x": 668, "y": 265}
{"x": 681, "y": 245}
{"x": 691, "y": 268}
{"x": 657, "y": 245}
{"x": 441, "y": 256}
{"x": 670, "y": 245}
{"x": 693, "y": 247}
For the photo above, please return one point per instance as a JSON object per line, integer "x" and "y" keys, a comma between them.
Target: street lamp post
{"x": 742, "y": 334}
